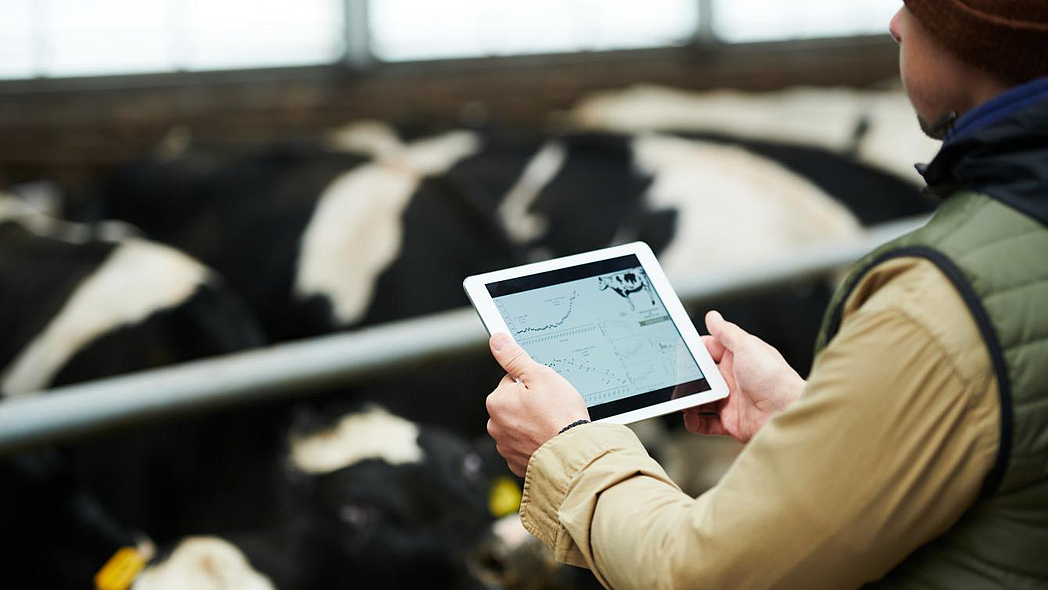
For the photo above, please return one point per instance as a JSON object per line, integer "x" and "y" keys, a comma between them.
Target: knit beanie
{"x": 1008, "y": 38}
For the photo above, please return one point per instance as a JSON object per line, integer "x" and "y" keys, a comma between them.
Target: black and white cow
{"x": 857, "y": 146}
{"x": 364, "y": 500}
{"x": 320, "y": 238}
{"x": 76, "y": 306}
{"x": 875, "y": 127}
{"x": 625, "y": 285}
{"x": 301, "y": 230}
{"x": 374, "y": 501}
{"x": 79, "y": 303}
{"x": 370, "y": 498}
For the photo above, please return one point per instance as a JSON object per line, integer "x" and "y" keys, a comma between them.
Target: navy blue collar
{"x": 999, "y": 149}
{"x": 1013, "y": 100}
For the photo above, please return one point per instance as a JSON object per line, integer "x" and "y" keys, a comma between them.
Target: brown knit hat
{"x": 1008, "y": 38}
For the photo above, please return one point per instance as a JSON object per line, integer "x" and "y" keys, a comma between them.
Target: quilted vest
{"x": 997, "y": 259}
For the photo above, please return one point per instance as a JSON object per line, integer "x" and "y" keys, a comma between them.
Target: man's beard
{"x": 940, "y": 127}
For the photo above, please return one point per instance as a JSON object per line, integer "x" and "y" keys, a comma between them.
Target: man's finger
{"x": 715, "y": 348}
{"x": 709, "y": 407}
{"x": 727, "y": 333}
{"x": 512, "y": 357}
{"x": 518, "y": 468}
{"x": 516, "y": 462}
{"x": 701, "y": 423}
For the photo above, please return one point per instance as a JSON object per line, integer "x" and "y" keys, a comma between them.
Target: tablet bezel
{"x": 476, "y": 289}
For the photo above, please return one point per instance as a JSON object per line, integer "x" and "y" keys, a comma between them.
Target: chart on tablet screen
{"x": 609, "y": 335}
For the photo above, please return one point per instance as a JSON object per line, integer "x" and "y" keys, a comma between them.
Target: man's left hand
{"x": 530, "y": 406}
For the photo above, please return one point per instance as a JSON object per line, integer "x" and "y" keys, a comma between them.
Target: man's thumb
{"x": 727, "y": 333}
{"x": 511, "y": 356}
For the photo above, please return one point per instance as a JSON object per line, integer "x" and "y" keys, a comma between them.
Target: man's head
{"x": 957, "y": 54}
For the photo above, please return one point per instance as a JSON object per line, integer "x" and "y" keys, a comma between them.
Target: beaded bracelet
{"x": 573, "y": 425}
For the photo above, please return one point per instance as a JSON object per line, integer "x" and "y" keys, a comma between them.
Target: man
{"x": 916, "y": 454}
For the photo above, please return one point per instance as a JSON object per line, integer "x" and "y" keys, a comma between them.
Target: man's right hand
{"x": 760, "y": 383}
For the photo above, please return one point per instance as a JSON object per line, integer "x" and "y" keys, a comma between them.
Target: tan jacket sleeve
{"x": 890, "y": 443}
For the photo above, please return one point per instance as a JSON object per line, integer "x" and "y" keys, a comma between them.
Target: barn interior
{"x": 231, "y": 393}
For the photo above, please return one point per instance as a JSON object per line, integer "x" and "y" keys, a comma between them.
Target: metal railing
{"x": 74, "y": 411}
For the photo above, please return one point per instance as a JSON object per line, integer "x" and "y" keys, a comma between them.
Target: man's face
{"x": 935, "y": 80}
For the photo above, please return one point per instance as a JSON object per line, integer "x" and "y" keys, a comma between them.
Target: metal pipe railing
{"x": 79, "y": 410}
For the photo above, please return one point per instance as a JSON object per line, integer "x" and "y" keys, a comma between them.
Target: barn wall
{"x": 73, "y": 129}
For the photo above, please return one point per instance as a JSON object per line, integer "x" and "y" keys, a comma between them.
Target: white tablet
{"x": 609, "y": 322}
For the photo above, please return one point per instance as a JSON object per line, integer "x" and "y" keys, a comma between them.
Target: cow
{"x": 857, "y": 146}
{"x": 79, "y": 303}
{"x": 372, "y": 500}
{"x": 217, "y": 474}
{"x": 301, "y": 230}
{"x": 875, "y": 127}
{"x": 369, "y": 500}
{"x": 626, "y": 284}
{"x": 368, "y": 228}
{"x": 366, "y": 500}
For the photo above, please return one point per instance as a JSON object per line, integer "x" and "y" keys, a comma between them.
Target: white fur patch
{"x": 436, "y": 155}
{"x": 371, "y": 434}
{"x": 138, "y": 279}
{"x": 825, "y": 118}
{"x": 522, "y": 225}
{"x": 355, "y": 232}
{"x": 366, "y": 137}
{"x": 734, "y": 208}
{"x": 203, "y": 563}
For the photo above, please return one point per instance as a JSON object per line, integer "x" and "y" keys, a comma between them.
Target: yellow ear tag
{"x": 504, "y": 497}
{"x": 121, "y": 570}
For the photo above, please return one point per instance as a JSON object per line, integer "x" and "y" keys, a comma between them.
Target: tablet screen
{"x": 604, "y": 328}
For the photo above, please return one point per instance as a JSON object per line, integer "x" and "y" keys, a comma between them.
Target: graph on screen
{"x": 609, "y": 334}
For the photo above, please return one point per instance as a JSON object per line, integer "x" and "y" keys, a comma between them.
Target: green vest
{"x": 997, "y": 258}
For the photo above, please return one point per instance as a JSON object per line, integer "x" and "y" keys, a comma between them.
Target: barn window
{"x": 404, "y": 30}
{"x": 738, "y": 21}
{"x": 55, "y": 38}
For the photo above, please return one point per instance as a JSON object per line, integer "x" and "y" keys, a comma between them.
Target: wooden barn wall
{"x": 71, "y": 130}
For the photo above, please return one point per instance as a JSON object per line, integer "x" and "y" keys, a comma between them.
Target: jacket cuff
{"x": 554, "y": 470}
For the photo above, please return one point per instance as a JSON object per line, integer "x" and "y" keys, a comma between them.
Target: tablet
{"x": 609, "y": 322}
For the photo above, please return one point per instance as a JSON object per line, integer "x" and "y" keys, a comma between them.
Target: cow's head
{"x": 390, "y": 503}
